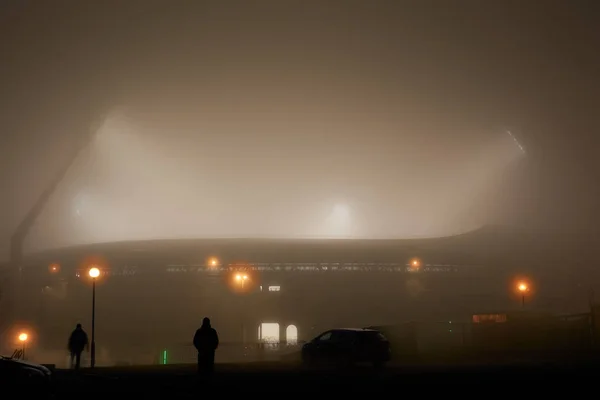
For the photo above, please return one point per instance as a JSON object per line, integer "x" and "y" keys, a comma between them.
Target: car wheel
{"x": 344, "y": 363}
{"x": 378, "y": 365}
{"x": 307, "y": 361}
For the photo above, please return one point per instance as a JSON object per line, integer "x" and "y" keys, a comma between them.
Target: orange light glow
{"x": 213, "y": 262}
{"x": 523, "y": 287}
{"x": 23, "y": 337}
{"x": 94, "y": 272}
{"x": 90, "y": 262}
{"x": 241, "y": 279}
{"x": 415, "y": 263}
{"x": 54, "y": 268}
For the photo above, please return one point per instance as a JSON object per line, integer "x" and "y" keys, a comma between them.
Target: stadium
{"x": 171, "y": 254}
{"x": 153, "y": 294}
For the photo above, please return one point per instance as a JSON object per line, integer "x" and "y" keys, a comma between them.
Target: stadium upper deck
{"x": 485, "y": 246}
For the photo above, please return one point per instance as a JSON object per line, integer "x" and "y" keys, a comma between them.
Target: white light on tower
{"x": 339, "y": 221}
{"x": 341, "y": 212}
{"x": 521, "y": 148}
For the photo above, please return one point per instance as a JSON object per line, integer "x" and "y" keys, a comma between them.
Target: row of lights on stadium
{"x": 94, "y": 272}
{"x": 214, "y": 262}
{"x": 523, "y": 288}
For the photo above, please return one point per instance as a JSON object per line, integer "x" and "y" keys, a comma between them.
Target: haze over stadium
{"x": 135, "y": 182}
{"x": 274, "y": 117}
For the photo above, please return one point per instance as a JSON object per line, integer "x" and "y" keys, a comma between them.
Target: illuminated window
{"x": 274, "y": 288}
{"x": 269, "y": 332}
{"x": 291, "y": 335}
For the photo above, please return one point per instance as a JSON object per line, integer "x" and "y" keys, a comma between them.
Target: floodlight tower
{"x": 10, "y": 307}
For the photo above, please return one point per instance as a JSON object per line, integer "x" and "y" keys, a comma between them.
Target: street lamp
{"x": 213, "y": 262}
{"x": 94, "y": 273}
{"x": 415, "y": 264}
{"x": 23, "y": 337}
{"x": 241, "y": 279}
{"x": 523, "y": 288}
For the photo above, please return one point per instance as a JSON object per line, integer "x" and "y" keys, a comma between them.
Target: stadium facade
{"x": 153, "y": 294}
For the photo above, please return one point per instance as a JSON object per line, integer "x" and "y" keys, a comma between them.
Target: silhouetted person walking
{"x": 206, "y": 341}
{"x": 77, "y": 342}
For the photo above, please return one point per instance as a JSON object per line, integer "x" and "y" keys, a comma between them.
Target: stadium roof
{"x": 474, "y": 247}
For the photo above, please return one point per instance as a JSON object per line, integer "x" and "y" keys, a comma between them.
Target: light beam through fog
{"x": 516, "y": 142}
{"x": 138, "y": 182}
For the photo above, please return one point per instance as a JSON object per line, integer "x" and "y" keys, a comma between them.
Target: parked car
{"x": 26, "y": 376}
{"x": 345, "y": 347}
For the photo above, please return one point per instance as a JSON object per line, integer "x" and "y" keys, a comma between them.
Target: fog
{"x": 270, "y": 119}
{"x": 312, "y": 119}
{"x": 161, "y": 177}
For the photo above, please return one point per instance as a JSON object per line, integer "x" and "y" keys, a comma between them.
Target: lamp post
{"x": 213, "y": 262}
{"x": 415, "y": 264}
{"x": 523, "y": 289}
{"x": 94, "y": 273}
{"x": 241, "y": 279}
{"x": 23, "y": 337}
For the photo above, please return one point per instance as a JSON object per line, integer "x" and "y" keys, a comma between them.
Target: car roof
{"x": 21, "y": 363}
{"x": 355, "y": 330}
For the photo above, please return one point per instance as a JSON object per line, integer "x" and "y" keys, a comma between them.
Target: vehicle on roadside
{"x": 28, "y": 377}
{"x": 347, "y": 347}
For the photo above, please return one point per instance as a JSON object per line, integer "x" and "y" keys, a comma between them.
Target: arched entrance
{"x": 291, "y": 334}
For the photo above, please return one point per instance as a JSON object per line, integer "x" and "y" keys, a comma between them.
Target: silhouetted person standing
{"x": 77, "y": 342}
{"x": 206, "y": 341}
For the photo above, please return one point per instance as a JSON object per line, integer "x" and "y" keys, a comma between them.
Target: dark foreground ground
{"x": 281, "y": 381}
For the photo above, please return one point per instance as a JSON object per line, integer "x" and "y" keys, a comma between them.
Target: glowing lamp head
{"x": 415, "y": 263}
{"x": 23, "y": 337}
{"x": 522, "y": 287}
{"x": 240, "y": 277}
{"x": 213, "y": 262}
{"x": 94, "y": 272}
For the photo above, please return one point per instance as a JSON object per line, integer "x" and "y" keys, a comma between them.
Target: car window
{"x": 324, "y": 337}
{"x": 373, "y": 337}
{"x": 345, "y": 337}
